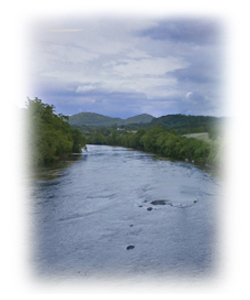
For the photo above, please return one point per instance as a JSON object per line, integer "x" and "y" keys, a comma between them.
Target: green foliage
{"x": 51, "y": 138}
{"x": 159, "y": 140}
{"x": 215, "y": 156}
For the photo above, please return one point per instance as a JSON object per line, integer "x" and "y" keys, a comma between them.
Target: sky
{"x": 122, "y": 67}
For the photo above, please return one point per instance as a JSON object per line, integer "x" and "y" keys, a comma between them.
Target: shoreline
{"x": 208, "y": 168}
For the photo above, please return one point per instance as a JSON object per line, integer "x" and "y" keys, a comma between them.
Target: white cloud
{"x": 104, "y": 57}
{"x": 152, "y": 66}
{"x": 84, "y": 88}
{"x": 137, "y": 54}
{"x": 112, "y": 56}
{"x": 188, "y": 95}
{"x": 150, "y": 86}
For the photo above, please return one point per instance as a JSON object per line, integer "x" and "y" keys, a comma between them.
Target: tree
{"x": 51, "y": 138}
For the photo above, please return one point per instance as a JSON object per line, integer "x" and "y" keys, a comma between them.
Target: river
{"x": 118, "y": 213}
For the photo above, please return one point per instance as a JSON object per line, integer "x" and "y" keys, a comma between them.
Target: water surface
{"x": 110, "y": 198}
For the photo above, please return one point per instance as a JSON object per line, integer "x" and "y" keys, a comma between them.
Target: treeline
{"x": 180, "y": 123}
{"x": 163, "y": 142}
{"x": 51, "y": 136}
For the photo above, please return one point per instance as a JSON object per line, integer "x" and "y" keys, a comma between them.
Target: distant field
{"x": 200, "y": 136}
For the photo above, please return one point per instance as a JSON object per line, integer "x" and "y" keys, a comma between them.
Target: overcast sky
{"x": 124, "y": 67}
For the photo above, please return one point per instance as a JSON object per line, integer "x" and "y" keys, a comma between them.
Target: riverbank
{"x": 160, "y": 141}
{"x": 213, "y": 170}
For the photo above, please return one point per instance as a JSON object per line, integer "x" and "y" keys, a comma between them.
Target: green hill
{"x": 97, "y": 120}
{"x": 143, "y": 118}
{"x": 188, "y": 124}
{"x": 180, "y": 123}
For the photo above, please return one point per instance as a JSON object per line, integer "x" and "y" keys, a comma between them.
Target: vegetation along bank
{"x": 50, "y": 136}
{"x": 163, "y": 142}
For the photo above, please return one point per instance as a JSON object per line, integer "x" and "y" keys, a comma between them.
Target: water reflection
{"x": 55, "y": 170}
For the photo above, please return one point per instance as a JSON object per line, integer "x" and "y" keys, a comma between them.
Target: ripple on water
{"x": 87, "y": 218}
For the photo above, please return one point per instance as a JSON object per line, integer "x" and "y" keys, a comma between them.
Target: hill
{"x": 143, "y": 118}
{"x": 182, "y": 124}
{"x": 188, "y": 124}
{"x": 97, "y": 120}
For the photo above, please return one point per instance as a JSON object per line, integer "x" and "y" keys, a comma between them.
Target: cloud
{"x": 65, "y": 30}
{"x": 150, "y": 66}
{"x": 85, "y": 88}
{"x": 127, "y": 66}
{"x": 194, "y": 31}
{"x": 188, "y": 95}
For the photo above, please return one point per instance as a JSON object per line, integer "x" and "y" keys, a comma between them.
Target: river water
{"x": 118, "y": 213}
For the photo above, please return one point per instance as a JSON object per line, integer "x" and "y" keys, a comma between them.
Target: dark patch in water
{"x": 167, "y": 202}
{"x": 159, "y": 202}
{"x": 130, "y": 247}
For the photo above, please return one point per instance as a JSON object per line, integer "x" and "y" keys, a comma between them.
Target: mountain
{"x": 97, "y": 120}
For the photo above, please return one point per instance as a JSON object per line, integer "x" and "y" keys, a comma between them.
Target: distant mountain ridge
{"x": 97, "y": 120}
{"x": 181, "y": 123}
